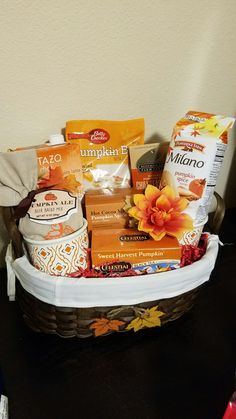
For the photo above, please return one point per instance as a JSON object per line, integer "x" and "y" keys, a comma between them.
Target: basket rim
{"x": 114, "y": 280}
{"x": 100, "y": 291}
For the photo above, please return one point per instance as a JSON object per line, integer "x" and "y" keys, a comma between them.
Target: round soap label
{"x": 52, "y": 206}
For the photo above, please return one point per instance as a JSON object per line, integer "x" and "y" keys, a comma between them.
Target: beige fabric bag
{"x": 37, "y": 231}
{"x": 18, "y": 176}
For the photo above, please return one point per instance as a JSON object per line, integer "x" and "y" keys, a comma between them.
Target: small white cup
{"x": 193, "y": 236}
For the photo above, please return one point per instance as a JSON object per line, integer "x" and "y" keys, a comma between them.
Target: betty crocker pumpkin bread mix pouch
{"x": 104, "y": 149}
{"x": 193, "y": 161}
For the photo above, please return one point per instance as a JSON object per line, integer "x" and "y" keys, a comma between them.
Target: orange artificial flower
{"x": 159, "y": 212}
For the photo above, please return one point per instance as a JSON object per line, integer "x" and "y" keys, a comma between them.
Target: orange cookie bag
{"x": 104, "y": 149}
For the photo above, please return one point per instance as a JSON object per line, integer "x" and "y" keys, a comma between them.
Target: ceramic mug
{"x": 60, "y": 256}
{"x": 193, "y": 236}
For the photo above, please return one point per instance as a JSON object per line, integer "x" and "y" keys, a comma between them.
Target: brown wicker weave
{"x": 70, "y": 322}
{"x": 86, "y": 322}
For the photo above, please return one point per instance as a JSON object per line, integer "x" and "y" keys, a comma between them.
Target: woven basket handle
{"x": 13, "y": 232}
{"x": 216, "y": 218}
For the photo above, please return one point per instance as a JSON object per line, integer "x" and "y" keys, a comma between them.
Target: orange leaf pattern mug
{"x": 60, "y": 256}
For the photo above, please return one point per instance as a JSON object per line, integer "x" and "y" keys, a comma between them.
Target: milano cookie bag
{"x": 194, "y": 158}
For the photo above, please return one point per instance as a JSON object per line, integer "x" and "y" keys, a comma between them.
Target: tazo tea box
{"x": 104, "y": 150}
{"x": 147, "y": 163}
{"x": 105, "y": 208}
{"x": 194, "y": 158}
{"x": 59, "y": 166}
{"x": 117, "y": 250}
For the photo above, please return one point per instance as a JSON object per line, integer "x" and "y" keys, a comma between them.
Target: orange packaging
{"x": 104, "y": 149}
{"x": 117, "y": 250}
{"x": 147, "y": 163}
{"x": 59, "y": 166}
{"x": 105, "y": 208}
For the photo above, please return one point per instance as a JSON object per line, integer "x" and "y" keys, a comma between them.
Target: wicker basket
{"x": 96, "y": 321}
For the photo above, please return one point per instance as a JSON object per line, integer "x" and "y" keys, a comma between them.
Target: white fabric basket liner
{"x": 105, "y": 292}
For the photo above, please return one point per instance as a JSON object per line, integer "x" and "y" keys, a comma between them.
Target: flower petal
{"x": 169, "y": 193}
{"x": 138, "y": 197}
{"x": 157, "y": 235}
{"x": 158, "y": 219}
{"x": 163, "y": 203}
{"x": 177, "y": 226}
{"x": 151, "y": 192}
{"x": 134, "y": 212}
{"x": 144, "y": 225}
{"x": 180, "y": 204}
{"x": 182, "y": 219}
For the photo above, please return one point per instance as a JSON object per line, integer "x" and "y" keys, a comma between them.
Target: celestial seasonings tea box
{"x": 118, "y": 250}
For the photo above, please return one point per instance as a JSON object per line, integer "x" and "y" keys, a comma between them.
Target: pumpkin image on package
{"x": 104, "y": 149}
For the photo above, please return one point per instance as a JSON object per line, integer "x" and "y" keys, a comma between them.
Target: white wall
{"x": 115, "y": 59}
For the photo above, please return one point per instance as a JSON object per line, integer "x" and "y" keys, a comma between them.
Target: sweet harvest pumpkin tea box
{"x": 118, "y": 250}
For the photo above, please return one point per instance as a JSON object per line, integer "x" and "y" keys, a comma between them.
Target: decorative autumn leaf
{"x": 150, "y": 318}
{"x": 102, "y": 326}
{"x": 54, "y": 178}
{"x": 195, "y": 133}
{"x": 70, "y": 183}
{"x": 58, "y": 230}
{"x": 215, "y": 126}
{"x": 224, "y": 137}
{"x": 176, "y": 132}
